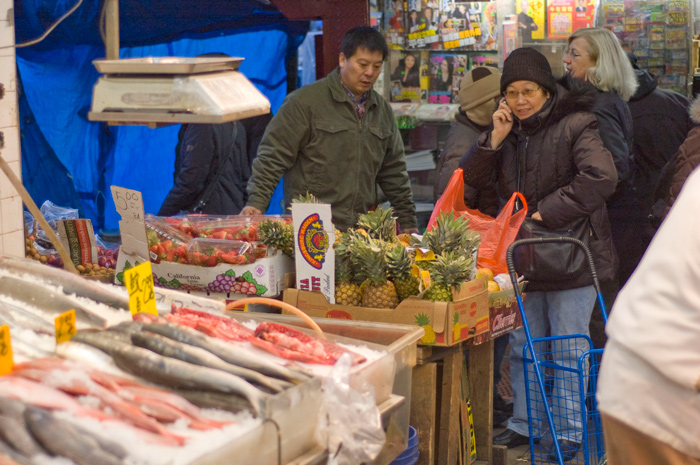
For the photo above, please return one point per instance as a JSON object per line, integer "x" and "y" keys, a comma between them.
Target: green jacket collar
{"x": 338, "y": 91}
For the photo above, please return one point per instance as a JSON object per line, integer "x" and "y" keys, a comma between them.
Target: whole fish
{"x": 69, "y": 282}
{"x": 198, "y": 356}
{"x": 11, "y": 407}
{"x": 176, "y": 373}
{"x": 46, "y": 299}
{"x": 214, "y": 325}
{"x": 62, "y": 438}
{"x": 10, "y": 456}
{"x": 90, "y": 357}
{"x": 14, "y": 431}
{"x": 14, "y": 315}
{"x": 215, "y": 400}
{"x": 103, "y": 340}
{"x": 226, "y": 351}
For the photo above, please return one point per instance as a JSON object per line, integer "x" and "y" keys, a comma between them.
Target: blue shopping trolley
{"x": 561, "y": 374}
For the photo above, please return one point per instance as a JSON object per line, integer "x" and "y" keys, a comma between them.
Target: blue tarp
{"x": 56, "y": 78}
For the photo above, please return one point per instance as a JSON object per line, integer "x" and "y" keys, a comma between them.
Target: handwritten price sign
{"x": 129, "y": 203}
{"x": 139, "y": 284}
{"x": 7, "y": 362}
{"x": 65, "y": 326}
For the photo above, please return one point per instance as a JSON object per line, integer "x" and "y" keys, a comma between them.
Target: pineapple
{"x": 448, "y": 270}
{"x": 306, "y": 198}
{"x": 457, "y": 328}
{"x": 369, "y": 256}
{"x": 347, "y": 292}
{"x": 379, "y": 224}
{"x": 399, "y": 266}
{"x": 450, "y": 234}
{"x": 423, "y": 321}
{"x": 278, "y": 234}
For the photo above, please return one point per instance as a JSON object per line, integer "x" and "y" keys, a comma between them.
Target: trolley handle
{"x": 541, "y": 240}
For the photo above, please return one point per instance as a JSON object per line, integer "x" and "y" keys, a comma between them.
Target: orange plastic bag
{"x": 496, "y": 233}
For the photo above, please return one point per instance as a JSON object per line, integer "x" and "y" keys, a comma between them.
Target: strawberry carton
{"x": 205, "y": 251}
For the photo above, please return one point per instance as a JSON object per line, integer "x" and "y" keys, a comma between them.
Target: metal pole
{"x": 112, "y": 29}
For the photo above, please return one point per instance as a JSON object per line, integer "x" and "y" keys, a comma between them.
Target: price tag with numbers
{"x": 129, "y": 204}
{"x": 65, "y": 326}
{"x": 139, "y": 284}
{"x": 7, "y": 362}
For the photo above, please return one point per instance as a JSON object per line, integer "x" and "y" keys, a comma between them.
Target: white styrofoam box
{"x": 6, "y": 188}
{"x": 13, "y": 244}
{"x": 8, "y": 110}
{"x": 10, "y": 153}
{"x": 267, "y": 274}
{"x": 12, "y": 217}
{"x": 8, "y": 73}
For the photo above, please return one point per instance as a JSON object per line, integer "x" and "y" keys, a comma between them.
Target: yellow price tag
{"x": 139, "y": 284}
{"x": 424, "y": 255}
{"x": 65, "y": 326}
{"x": 7, "y": 362}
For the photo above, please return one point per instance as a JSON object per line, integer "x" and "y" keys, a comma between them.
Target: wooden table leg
{"x": 481, "y": 389}
{"x": 449, "y": 437}
{"x": 423, "y": 414}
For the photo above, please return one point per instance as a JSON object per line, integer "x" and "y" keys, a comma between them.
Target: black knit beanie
{"x": 527, "y": 64}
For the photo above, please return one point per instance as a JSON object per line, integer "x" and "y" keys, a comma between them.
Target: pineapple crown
{"x": 306, "y": 198}
{"x": 451, "y": 269}
{"x": 450, "y": 234}
{"x": 399, "y": 263}
{"x": 369, "y": 256}
{"x": 278, "y": 235}
{"x": 379, "y": 224}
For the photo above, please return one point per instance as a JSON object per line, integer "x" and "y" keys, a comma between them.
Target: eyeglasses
{"x": 527, "y": 93}
{"x": 574, "y": 55}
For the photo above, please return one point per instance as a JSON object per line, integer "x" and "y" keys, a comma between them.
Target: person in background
{"x": 213, "y": 153}
{"x": 479, "y": 92}
{"x": 337, "y": 139}
{"x": 650, "y": 375}
{"x": 660, "y": 122}
{"x": 407, "y": 71}
{"x": 594, "y": 56}
{"x": 525, "y": 23}
{"x": 681, "y": 165}
{"x": 566, "y": 174}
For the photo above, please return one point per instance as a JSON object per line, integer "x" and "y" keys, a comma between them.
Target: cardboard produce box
{"x": 504, "y": 315}
{"x": 262, "y": 278}
{"x": 445, "y": 323}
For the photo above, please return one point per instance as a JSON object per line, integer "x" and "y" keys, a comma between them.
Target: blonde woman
{"x": 594, "y": 56}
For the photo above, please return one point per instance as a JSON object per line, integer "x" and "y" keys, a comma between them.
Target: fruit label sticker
{"x": 139, "y": 284}
{"x": 132, "y": 228}
{"x": 314, "y": 236}
{"x": 424, "y": 255}
{"x": 7, "y": 362}
{"x": 65, "y": 326}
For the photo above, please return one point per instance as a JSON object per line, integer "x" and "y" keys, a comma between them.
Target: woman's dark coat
{"x": 565, "y": 173}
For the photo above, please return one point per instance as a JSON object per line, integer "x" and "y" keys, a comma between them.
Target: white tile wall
{"x": 11, "y": 218}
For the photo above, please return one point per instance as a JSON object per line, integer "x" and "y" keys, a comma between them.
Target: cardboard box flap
{"x": 439, "y": 316}
{"x": 469, "y": 288}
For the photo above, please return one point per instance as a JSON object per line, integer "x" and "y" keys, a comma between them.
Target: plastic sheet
{"x": 354, "y": 434}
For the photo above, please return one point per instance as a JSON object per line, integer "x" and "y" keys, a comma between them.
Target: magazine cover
{"x": 421, "y": 24}
{"x": 489, "y": 30}
{"x": 409, "y": 76}
{"x": 483, "y": 59}
{"x": 460, "y": 25}
{"x": 393, "y": 24}
{"x": 446, "y": 70}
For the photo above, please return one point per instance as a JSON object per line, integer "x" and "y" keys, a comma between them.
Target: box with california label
{"x": 445, "y": 323}
{"x": 263, "y": 278}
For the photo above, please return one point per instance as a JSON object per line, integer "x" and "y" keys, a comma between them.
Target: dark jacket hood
{"x": 647, "y": 83}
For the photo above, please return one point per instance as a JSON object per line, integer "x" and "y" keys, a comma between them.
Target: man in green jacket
{"x": 337, "y": 139}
